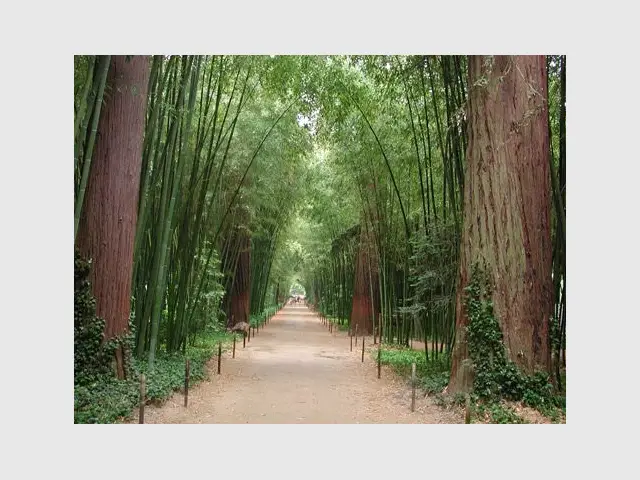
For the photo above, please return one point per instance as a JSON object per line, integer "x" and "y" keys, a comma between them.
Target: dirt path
{"x": 295, "y": 371}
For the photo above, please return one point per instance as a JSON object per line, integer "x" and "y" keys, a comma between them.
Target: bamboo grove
{"x": 213, "y": 188}
{"x": 343, "y": 173}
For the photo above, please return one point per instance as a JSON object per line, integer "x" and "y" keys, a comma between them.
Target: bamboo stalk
{"x": 80, "y": 113}
{"x": 231, "y": 203}
{"x": 168, "y": 201}
{"x": 103, "y": 69}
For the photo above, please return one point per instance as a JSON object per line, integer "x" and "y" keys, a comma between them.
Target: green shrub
{"x": 99, "y": 397}
{"x": 499, "y": 413}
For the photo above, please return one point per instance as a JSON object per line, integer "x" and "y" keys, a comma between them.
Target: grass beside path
{"x": 109, "y": 400}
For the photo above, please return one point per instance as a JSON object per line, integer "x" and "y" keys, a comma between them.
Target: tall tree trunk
{"x": 365, "y": 298}
{"x": 239, "y": 300}
{"x": 507, "y": 208}
{"x": 108, "y": 223}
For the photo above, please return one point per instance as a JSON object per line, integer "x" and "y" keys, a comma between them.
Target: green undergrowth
{"x": 497, "y": 413}
{"x": 495, "y": 376}
{"x": 431, "y": 376}
{"x": 108, "y": 400}
{"x": 99, "y": 397}
{"x": 260, "y": 319}
{"x": 501, "y": 411}
{"x": 343, "y": 325}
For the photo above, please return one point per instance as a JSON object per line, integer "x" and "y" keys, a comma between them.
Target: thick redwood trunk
{"x": 239, "y": 295}
{"x": 108, "y": 222}
{"x": 365, "y": 287}
{"x": 507, "y": 208}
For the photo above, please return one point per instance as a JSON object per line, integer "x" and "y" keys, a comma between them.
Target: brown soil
{"x": 295, "y": 371}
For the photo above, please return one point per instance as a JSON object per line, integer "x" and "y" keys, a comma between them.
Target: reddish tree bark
{"x": 507, "y": 208}
{"x": 239, "y": 295}
{"x": 108, "y": 221}
{"x": 365, "y": 285}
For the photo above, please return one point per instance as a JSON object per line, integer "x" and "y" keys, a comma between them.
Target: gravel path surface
{"x": 295, "y": 371}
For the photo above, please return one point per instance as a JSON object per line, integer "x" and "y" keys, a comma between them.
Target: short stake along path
{"x": 297, "y": 371}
